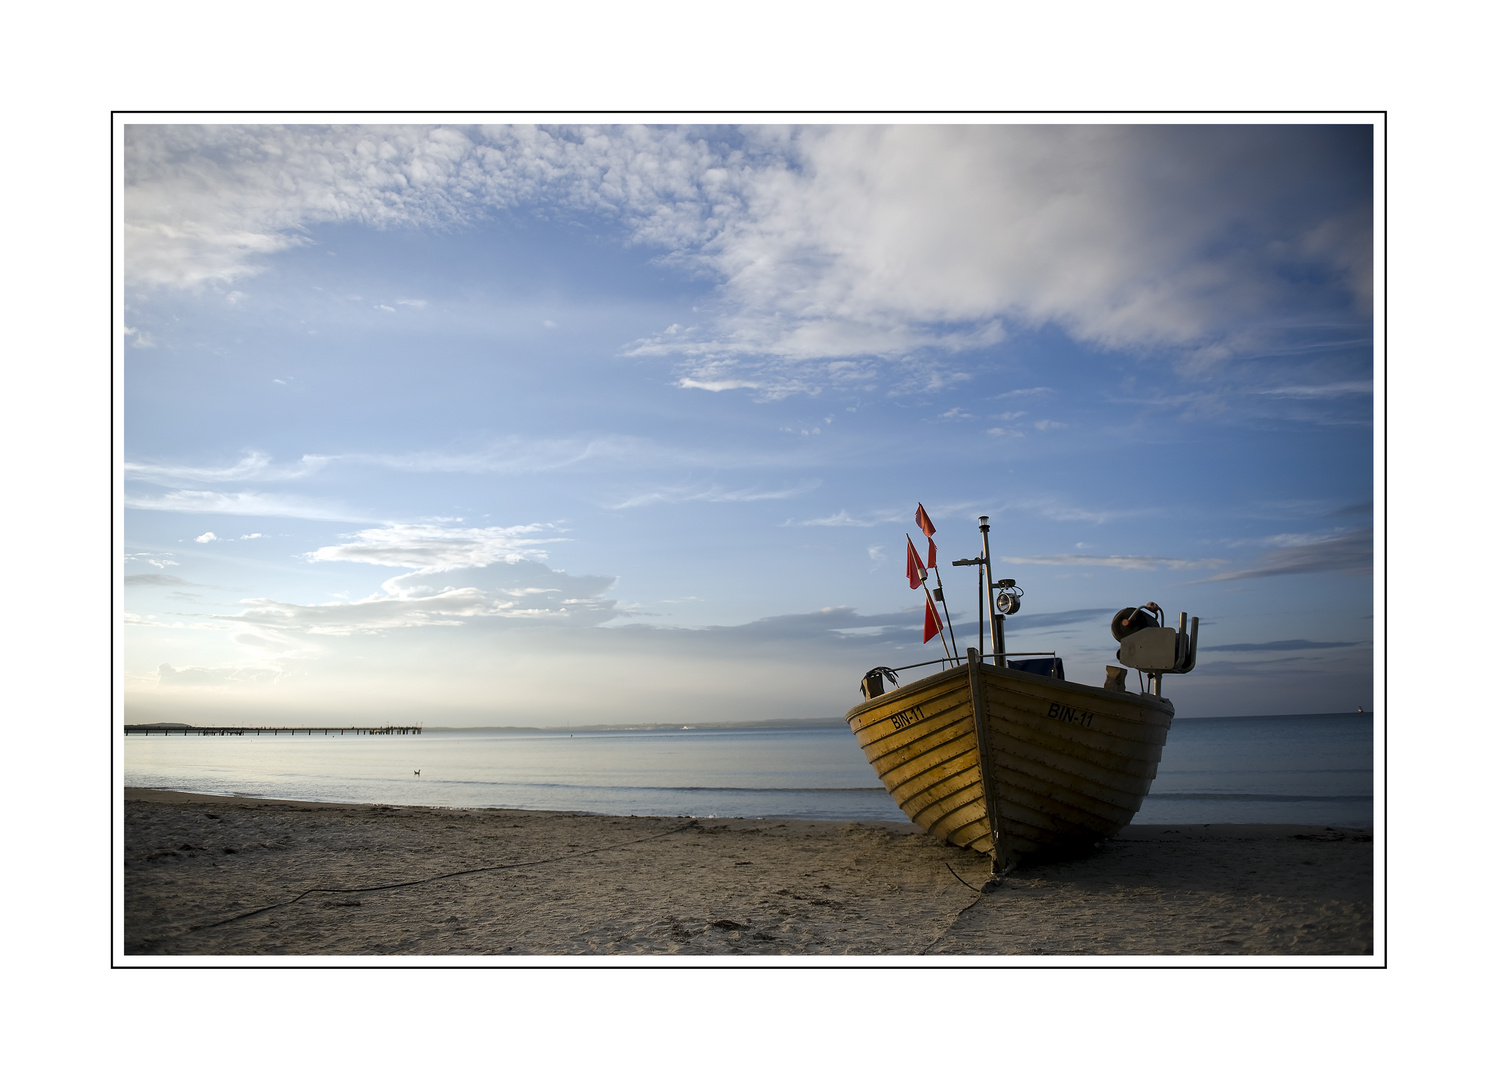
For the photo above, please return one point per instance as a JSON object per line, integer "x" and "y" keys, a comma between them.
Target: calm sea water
{"x": 1308, "y": 770}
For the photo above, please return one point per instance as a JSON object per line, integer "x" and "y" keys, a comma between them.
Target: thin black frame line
{"x": 543, "y": 966}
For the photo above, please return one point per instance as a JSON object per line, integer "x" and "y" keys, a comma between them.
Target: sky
{"x": 486, "y": 424}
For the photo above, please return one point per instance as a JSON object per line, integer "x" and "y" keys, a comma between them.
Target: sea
{"x": 1303, "y": 770}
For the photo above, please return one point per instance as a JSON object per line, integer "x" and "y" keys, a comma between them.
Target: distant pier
{"x": 190, "y": 729}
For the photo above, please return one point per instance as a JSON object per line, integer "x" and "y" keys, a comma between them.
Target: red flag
{"x": 931, "y": 558}
{"x": 924, "y": 521}
{"x": 913, "y": 568}
{"x": 933, "y": 621}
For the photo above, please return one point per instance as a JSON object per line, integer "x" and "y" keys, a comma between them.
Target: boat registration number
{"x": 903, "y": 720}
{"x": 1069, "y": 714}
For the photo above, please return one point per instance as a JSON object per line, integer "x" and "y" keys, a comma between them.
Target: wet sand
{"x": 212, "y": 876}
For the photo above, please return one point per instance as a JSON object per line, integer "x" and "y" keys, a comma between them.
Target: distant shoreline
{"x": 736, "y": 725}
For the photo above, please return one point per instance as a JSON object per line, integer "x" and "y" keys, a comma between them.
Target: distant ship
{"x": 1001, "y": 753}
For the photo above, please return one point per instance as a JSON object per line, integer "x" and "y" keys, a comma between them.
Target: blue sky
{"x": 516, "y": 425}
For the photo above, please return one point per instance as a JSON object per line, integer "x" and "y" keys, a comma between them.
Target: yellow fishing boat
{"x": 1001, "y": 753}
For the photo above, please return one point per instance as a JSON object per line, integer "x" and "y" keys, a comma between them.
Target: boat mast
{"x": 982, "y": 587}
{"x": 995, "y": 620}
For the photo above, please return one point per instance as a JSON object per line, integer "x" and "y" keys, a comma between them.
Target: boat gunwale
{"x": 1121, "y": 697}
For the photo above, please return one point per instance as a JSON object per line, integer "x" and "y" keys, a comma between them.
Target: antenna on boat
{"x": 985, "y": 594}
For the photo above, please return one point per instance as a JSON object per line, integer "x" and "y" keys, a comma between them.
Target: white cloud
{"x": 445, "y": 592}
{"x": 1327, "y": 390}
{"x": 511, "y": 456}
{"x": 254, "y": 503}
{"x": 717, "y": 385}
{"x": 253, "y": 465}
{"x": 843, "y": 518}
{"x": 214, "y": 676}
{"x": 712, "y": 493}
{"x": 209, "y": 538}
{"x": 841, "y": 243}
{"x": 1348, "y": 553}
{"x": 432, "y": 548}
{"x": 514, "y": 455}
{"x": 160, "y": 580}
{"x": 881, "y": 241}
{"x": 160, "y": 560}
{"x": 882, "y": 517}
{"x": 207, "y": 204}
{"x": 1056, "y": 510}
{"x": 375, "y": 614}
{"x": 1121, "y": 562}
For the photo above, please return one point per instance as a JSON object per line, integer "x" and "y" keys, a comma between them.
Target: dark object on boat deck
{"x": 1041, "y": 665}
{"x": 1131, "y": 620}
{"x": 873, "y": 682}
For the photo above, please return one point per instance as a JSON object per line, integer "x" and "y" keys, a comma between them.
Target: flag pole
{"x": 927, "y": 589}
{"x": 928, "y": 529}
{"x": 943, "y": 603}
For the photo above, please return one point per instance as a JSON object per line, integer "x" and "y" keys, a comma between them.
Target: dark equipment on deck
{"x": 1041, "y": 665}
{"x": 1131, "y": 620}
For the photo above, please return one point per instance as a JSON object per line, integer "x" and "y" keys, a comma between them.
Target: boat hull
{"x": 1057, "y": 763}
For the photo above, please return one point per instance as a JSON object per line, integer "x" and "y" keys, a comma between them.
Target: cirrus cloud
{"x": 1344, "y": 553}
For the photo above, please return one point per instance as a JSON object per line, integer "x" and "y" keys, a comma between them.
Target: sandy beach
{"x": 235, "y": 877}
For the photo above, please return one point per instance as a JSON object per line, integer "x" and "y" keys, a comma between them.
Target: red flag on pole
{"x": 933, "y": 621}
{"x": 924, "y": 520}
{"x": 913, "y": 568}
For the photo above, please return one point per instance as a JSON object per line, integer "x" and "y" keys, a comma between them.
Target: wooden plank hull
{"x": 1063, "y": 764}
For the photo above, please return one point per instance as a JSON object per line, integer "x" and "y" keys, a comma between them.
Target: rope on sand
{"x": 988, "y": 887}
{"x": 693, "y": 824}
{"x": 960, "y": 878}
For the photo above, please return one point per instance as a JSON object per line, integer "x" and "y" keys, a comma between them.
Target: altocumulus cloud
{"x": 521, "y": 591}
{"x": 457, "y": 575}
